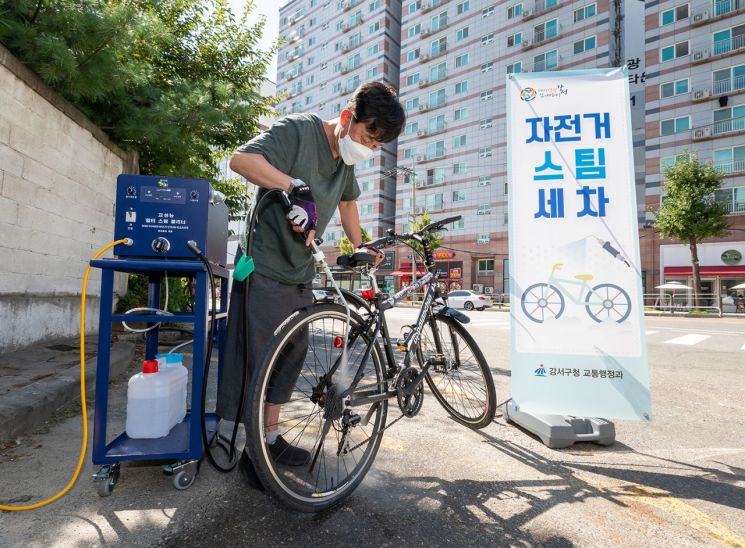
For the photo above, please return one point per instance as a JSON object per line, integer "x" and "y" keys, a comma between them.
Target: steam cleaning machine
{"x": 168, "y": 227}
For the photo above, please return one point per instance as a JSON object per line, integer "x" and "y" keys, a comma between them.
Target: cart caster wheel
{"x": 183, "y": 480}
{"x": 106, "y": 478}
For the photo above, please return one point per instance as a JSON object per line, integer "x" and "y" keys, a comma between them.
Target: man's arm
{"x": 259, "y": 171}
{"x": 350, "y": 220}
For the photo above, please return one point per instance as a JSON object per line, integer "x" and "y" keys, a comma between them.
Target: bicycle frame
{"x": 562, "y": 283}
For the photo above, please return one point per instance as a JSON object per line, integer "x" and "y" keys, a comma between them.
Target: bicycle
{"x": 546, "y": 298}
{"x": 337, "y": 409}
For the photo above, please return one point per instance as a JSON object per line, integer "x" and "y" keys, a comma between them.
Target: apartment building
{"x": 331, "y": 48}
{"x": 455, "y": 57}
{"x": 695, "y": 104}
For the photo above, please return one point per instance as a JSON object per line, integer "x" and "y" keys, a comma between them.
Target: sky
{"x": 270, "y": 8}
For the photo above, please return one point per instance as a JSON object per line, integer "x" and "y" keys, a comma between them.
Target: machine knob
{"x": 131, "y": 191}
{"x": 161, "y": 245}
{"x": 194, "y": 195}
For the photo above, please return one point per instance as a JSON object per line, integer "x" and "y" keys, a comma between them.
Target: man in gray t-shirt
{"x": 312, "y": 160}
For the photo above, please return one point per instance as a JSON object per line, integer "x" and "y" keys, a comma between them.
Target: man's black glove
{"x": 302, "y": 211}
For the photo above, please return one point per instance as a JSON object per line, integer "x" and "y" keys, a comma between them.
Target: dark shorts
{"x": 270, "y": 303}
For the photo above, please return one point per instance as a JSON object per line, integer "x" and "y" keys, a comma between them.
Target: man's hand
{"x": 302, "y": 212}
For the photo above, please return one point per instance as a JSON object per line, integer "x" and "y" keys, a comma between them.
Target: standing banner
{"x": 578, "y": 345}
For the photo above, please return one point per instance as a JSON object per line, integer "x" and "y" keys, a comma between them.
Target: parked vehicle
{"x": 323, "y": 296}
{"x": 464, "y": 298}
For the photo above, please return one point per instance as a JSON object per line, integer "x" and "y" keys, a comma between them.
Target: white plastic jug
{"x": 156, "y": 400}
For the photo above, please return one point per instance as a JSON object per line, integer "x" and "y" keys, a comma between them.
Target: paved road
{"x": 678, "y": 481}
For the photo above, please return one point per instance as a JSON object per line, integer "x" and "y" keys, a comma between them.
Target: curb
{"x": 29, "y": 407}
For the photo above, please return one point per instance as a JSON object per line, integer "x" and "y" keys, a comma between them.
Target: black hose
{"x": 230, "y": 450}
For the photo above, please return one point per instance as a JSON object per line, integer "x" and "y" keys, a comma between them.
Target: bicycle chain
{"x": 386, "y": 427}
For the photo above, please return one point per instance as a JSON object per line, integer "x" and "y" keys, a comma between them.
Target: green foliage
{"x": 435, "y": 238}
{"x": 345, "y": 245}
{"x": 238, "y": 195}
{"x": 177, "y": 80}
{"x": 179, "y": 294}
{"x": 688, "y": 211}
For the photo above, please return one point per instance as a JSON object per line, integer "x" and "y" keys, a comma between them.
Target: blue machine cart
{"x": 183, "y": 445}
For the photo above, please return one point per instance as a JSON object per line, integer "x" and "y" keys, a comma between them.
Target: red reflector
{"x": 338, "y": 341}
{"x": 368, "y": 294}
{"x": 482, "y": 298}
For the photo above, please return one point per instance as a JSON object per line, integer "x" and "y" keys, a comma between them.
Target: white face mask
{"x": 351, "y": 151}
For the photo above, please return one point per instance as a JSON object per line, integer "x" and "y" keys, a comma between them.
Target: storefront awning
{"x": 682, "y": 271}
{"x": 419, "y": 272}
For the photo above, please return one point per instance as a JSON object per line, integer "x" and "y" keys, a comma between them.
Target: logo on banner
{"x": 528, "y": 94}
{"x": 540, "y": 372}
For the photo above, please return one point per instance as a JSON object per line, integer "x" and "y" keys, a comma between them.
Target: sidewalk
{"x": 36, "y": 381}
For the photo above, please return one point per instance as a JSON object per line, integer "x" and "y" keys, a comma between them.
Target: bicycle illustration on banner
{"x": 604, "y": 302}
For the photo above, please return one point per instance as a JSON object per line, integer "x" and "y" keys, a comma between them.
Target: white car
{"x": 463, "y": 298}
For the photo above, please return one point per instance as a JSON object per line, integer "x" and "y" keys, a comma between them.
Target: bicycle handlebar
{"x": 392, "y": 238}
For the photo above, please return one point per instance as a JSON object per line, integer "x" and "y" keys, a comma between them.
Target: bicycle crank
{"x": 409, "y": 391}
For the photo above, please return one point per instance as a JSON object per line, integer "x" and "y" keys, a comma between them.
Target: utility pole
{"x": 411, "y": 174}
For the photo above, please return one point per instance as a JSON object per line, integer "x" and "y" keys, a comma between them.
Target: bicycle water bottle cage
{"x": 357, "y": 259}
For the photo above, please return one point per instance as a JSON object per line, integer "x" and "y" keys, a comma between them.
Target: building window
{"x": 512, "y": 11}
{"x": 367, "y": 186}
{"x": 412, "y": 104}
{"x": 729, "y": 79}
{"x": 435, "y": 176}
{"x": 730, "y": 159}
{"x": 675, "y": 51}
{"x": 584, "y": 45}
{"x": 414, "y": 31}
{"x": 545, "y": 61}
{"x": 463, "y": 7}
{"x": 670, "y": 89}
{"x": 487, "y": 95}
{"x": 461, "y": 87}
{"x": 461, "y": 60}
{"x": 412, "y": 55}
{"x": 459, "y": 168}
{"x": 486, "y": 267}
{"x": 409, "y": 153}
{"x": 487, "y": 39}
{"x": 406, "y": 204}
{"x": 670, "y": 16}
{"x": 729, "y": 39}
{"x": 436, "y": 150}
{"x": 459, "y": 196}
{"x": 727, "y": 120}
{"x": 514, "y": 68}
{"x": 436, "y": 123}
{"x": 414, "y": 6}
{"x": 411, "y": 128}
{"x": 438, "y": 72}
{"x": 366, "y": 209}
{"x": 375, "y": 49}
{"x": 486, "y": 67}
{"x": 437, "y": 98}
{"x": 546, "y": 30}
{"x": 412, "y": 79}
{"x": 483, "y": 238}
{"x": 484, "y": 209}
{"x": 459, "y": 141}
{"x": 486, "y": 123}
{"x": 485, "y": 152}
{"x": 675, "y": 125}
{"x": 460, "y": 114}
{"x": 484, "y": 180}
{"x": 515, "y": 39}
{"x": 670, "y": 161}
{"x": 584, "y": 13}
{"x": 433, "y": 202}
{"x": 461, "y": 34}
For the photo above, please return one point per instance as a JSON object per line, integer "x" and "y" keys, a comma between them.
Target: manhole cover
{"x": 62, "y": 347}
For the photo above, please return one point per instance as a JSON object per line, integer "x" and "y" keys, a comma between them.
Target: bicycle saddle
{"x": 585, "y": 277}
{"x": 355, "y": 260}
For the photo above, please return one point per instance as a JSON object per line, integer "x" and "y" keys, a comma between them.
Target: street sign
{"x": 577, "y": 324}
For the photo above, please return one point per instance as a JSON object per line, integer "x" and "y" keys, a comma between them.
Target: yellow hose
{"x": 83, "y": 408}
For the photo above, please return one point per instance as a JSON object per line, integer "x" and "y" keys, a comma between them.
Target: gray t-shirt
{"x": 297, "y": 145}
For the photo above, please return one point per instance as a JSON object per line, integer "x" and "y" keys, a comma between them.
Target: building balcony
{"x": 295, "y": 36}
{"x": 731, "y": 86}
{"x": 736, "y": 167}
{"x": 734, "y": 208}
{"x": 540, "y": 7}
{"x": 432, "y": 30}
{"x": 542, "y": 37}
{"x": 429, "y": 56}
{"x": 432, "y": 131}
{"x": 542, "y": 66}
{"x": 349, "y": 4}
{"x": 718, "y": 10}
{"x": 424, "y": 82}
{"x": 346, "y": 27}
{"x": 422, "y": 158}
{"x": 722, "y": 48}
{"x": 429, "y": 6}
{"x": 731, "y": 126}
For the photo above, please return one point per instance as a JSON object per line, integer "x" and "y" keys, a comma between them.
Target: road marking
{"x": 651, "y": 332}
{"x": 689, "y": 340}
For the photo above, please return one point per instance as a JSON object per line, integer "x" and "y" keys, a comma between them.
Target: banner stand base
{"x": 560, "y": 431}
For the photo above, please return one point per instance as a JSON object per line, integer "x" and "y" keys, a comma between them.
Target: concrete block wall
{"x": 57, "y": 190}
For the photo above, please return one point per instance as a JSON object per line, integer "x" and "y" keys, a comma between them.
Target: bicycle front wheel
{"x": 458, "y": 376}
{"x": 324, "y": 448}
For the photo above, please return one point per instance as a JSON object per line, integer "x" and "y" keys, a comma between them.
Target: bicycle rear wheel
{"x": 295, "y": 371}
{"x": 459, "y": 376}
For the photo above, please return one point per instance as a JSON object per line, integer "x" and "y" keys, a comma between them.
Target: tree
{"x": 177, "y": 80}
{"x": 345, "y": 245}
{"x": 435, "y": 238}
{"x": 688, "y": 211}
